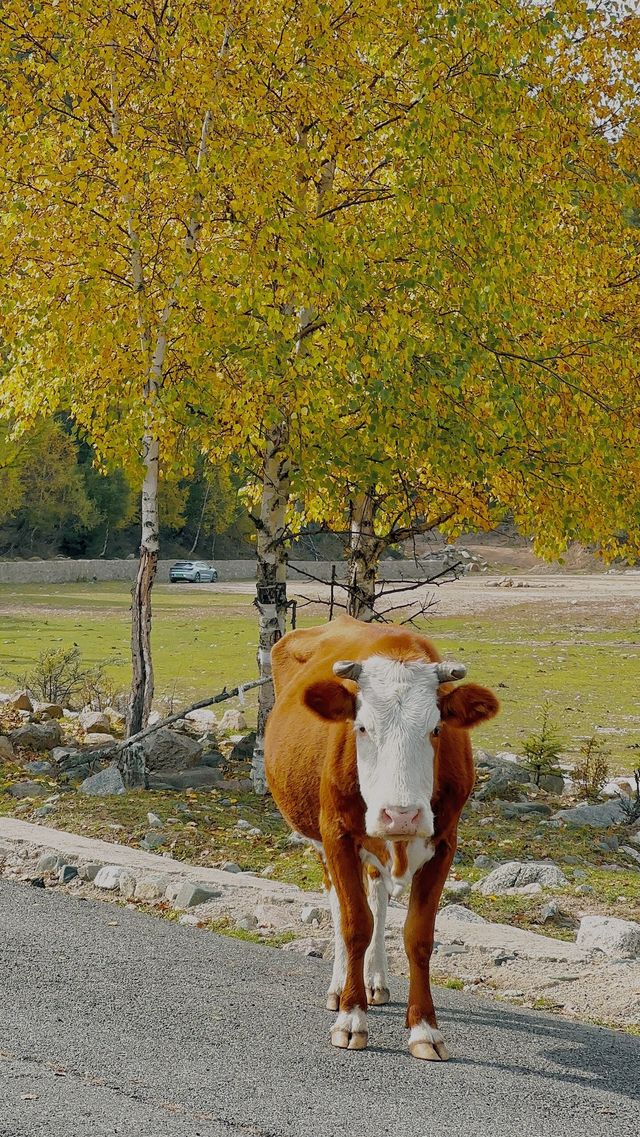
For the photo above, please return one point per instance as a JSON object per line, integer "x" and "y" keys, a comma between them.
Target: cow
{"x": 368, "y": 756}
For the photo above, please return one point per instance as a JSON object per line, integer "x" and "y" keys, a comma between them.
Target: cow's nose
{"x": 400, "y": 820}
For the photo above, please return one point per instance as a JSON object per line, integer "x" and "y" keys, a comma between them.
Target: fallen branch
{"x": 219, "y": 698}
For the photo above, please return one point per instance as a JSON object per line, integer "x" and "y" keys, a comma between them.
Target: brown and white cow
{"x": 368, "y": 756}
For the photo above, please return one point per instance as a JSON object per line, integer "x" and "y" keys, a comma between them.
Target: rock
{"x": 460, "y": 913}
{"x": 191, "y": 894}
{"x": 519, "y": 874}
{"x": 511, "y": 809}
{"x": 105, "y": 782}
{"x": 501, "y": 781}
{"x": 633, "y": 853}
{"x": 308, "y": 914}
{"x": 213, "y": 758}
{"x": 313, "y": 948}
{"x": 452, "y": 949}
{"x": 154, "y": 821}
{"x": 503, "y": 957}
{"x": 67, "y": 873}
{"x": 295, "y": 839}
{"x": 202, "y": 720}
{"x": 199, "y": 777}
{"x": 49, "y": 862}
{"x": 95, "y": 722}
{"x": 43, "y": 811}
{"x": 616, "y": 938}
{"x": 28, "y": 789}
{"x": 232, "y": 722}
{"x": 117, "y": 721}
{"x": 243, "y": 750}
{"x": 242, "y": 824}
{"x": 37, "y": 735}
{"x": 169, "y": 751}
{"x": 89, "y": 870}
{"x": 50, "y": 710}
{"x": 108, "y": 877}
{"x": 255, "y": 832}
{"x": 6, "y": 748}
{"x": 230, "y": 866}
{"x": 151, "y": 887}
{"x": 584, "y": 889}
{"x": 552, "y": 783}
{"x": 599, "y": 816}
{"x": 483, "y": 862}
{"x": 127, "y": 884}
{"x": 96, "y": 741}
{"x": 20, "y": 702}
{"x": 247, "y": 922}
{"x": 457, "y": 887}
{"x": 39, "y": 766}
{"x": 152, "y": 841}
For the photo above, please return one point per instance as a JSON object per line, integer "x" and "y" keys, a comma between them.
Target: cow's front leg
{"x": 349, "y": 1031}
{"x": 425, "y": 1039}
{"x": 376, "y": 979}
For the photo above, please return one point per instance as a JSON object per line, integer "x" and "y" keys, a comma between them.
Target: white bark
{"x": 364, "y": 554}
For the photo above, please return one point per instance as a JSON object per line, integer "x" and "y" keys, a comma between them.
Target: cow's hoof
{"x": 333, "y": 1001}
{"x": 378, "y": 996}
{"x": 427, "y": 1043}
{"x": 349, "y": 1032}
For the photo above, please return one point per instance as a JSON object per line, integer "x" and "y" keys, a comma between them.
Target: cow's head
{"x": 396, "y": 714}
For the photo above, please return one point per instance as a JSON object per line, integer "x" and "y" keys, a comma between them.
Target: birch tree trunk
{"x": 271, "y": 579}
{"x": 142, "y": 680}
{"x": 364, "y": 553}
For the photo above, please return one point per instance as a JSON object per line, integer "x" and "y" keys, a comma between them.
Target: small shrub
{"x": 58, "y": 676}
{"x": 542, "y": 748}
{"x": 592, "y": 772}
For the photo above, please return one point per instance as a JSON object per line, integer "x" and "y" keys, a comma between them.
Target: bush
{"x": 542, "y": 748}
{"x": 592, "y": 771}
{"x": 58, "y": 676}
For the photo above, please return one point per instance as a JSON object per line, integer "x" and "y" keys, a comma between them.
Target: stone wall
{"x": 60, "y": 571}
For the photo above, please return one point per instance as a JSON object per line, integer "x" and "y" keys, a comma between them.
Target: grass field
{"x": 588, "y": 668}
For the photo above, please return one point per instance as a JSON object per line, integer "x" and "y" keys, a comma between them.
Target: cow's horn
{"x": 347, "y": 669}
{"x": 448, "y": 671}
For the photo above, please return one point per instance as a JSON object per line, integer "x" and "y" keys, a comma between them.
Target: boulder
{"x": 37, "y": 735}
{"x": 456, "y": 887}
{"x": 191, "y": 893}
{"x": 105, "y": 782}
{"x": 95, "y": 741}
{"x": 519, "y": 874}
{"x": 108, "y": 877}
{"x": 501, "y": 781}
{"x": 167, "y": 750}
{"x": 49, "y": 710}
{"x": 202, "y": 721}
{"x": 151, "y": 887}
{"x": 95, "y": 722}
{"x": 243, "y": 750}
{"x": 6, "y": 748}
{"x": 600, "y": 816}
{"x": 552, "y": 783}
{"x": 510, "y": 809}
{"x": 199, "y": 777}
{"x": 617, "y": 938}
{"x": 232, "y": 722}
{"x": 459, "y": 912}
{"x": 21, "y": 701}
{"x": 39, "y": 766}
{"x": 28, "y": 789}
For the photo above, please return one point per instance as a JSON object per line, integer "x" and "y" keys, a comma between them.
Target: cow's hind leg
{"x": 376, "y": 978}
{"x": 425, "y": 1038}
{"x": 349, "y": 1031}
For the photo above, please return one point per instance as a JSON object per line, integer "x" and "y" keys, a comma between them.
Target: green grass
{"x": 203, "y": 640}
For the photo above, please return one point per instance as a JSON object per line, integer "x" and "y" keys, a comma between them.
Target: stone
{"x": 462, "y": 914}
{"x": 151, "y": 887}
{"x": 28, "y": 789}
{"x": 95, "y": 722}
{"x": 616, "y": 938}
{"x": 503, "y": 957}
{"x": 512, "y": 809}
{"x": 154, "y": 821}
{"x": 199, "y": 777}
{"x": 21, "y": 701}
{"x": 452, "y": 949}
{"x": 501, "y": 781}
{"x": 519, "y": 874}
{"x": 230, "y": 866}
{"x": 255, "y": 832}
{"x": 247, "y": 922}
{"x": 170, "y": 751}
{"x": 51, "y": 710}
{"x": 232, "y": 722}
{"x": 152, "y": 841}
{"x": 6, "y": 747}
{"x": 108, "y": 877}
{"x": 457, "y": 887}
{"x": 127, "y": 884}
{"x": 313, "y": 948}
{"x": 67, "y": 873}
{"x": 191, "y": 894}
{"x": 202, "y": 720}
{"x": 242, "y": 824}
{"x": 43, "y": 811}
{"x": 552, "y": 783}
{"x": 89, "y": 870}
{"x": 104, "y": 783}
{"x": 583, "y": 889}
{"x": 117, "y": 721}
{"x": 37, "y": 735}
{"x": 484, "y": 862}
{"x": 39, "y": 766}
{"x": 600, "y": 816}
{"x": 308, "y": 914}
{"x": 49, "y": 862}
{"x": 243, "y": 750}
{"x": 96, "y": 741}
{"x": 629, "y": 852}
{"x": 213, "y": 758}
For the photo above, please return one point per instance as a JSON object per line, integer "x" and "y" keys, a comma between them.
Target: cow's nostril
{"x": 400, "y": 819}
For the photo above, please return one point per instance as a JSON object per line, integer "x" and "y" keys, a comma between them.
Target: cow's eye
{"x": 362, "y": 730}
{"x": 436, "y": 731}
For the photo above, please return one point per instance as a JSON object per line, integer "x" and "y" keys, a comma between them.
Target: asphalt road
{"x": 148, "y": 1029}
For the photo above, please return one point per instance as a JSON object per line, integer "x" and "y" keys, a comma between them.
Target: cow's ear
{"x": 468, "y": 705}
{"x": 331, "y": 700}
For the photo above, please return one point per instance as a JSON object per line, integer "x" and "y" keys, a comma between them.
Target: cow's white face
{"x": 397, "y": 713}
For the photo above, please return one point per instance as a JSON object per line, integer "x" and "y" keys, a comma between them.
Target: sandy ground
{"x": 483, "y": 594}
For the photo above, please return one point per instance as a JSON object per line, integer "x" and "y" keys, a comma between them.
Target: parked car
{"x": 192, "y": 571}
